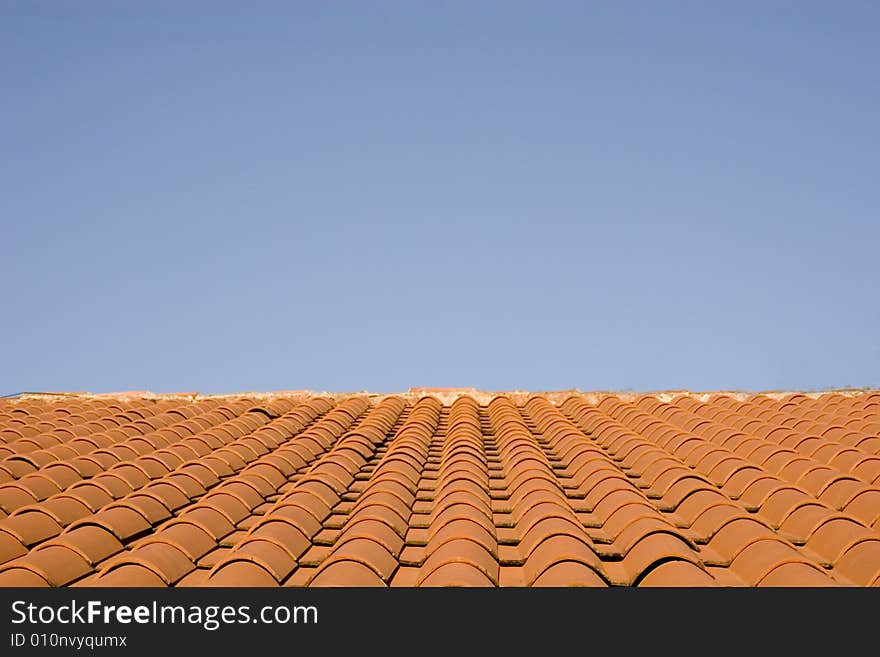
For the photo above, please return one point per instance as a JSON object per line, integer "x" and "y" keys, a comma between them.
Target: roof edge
{"x": 446, "y": 395}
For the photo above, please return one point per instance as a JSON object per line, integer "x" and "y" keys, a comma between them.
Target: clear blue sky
{"x": 349, "y": 195}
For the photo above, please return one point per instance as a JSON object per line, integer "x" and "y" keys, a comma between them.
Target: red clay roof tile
{"x": 459, "y": 489}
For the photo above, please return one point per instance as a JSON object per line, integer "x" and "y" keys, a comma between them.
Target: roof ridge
{"x": 449, "y": 394}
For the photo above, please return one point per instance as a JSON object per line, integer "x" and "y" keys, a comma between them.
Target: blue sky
{"x": 345, "y": 196}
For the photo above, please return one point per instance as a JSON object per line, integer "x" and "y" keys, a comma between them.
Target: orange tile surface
{"x": 441, "y": 487}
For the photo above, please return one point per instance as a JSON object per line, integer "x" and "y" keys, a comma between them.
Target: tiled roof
{"x": 441, "y": 488}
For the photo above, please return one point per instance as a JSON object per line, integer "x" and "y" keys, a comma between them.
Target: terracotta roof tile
{"x": 441, "y": 487}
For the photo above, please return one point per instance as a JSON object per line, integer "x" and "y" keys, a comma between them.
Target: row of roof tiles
{"x": 405, "y": 492}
